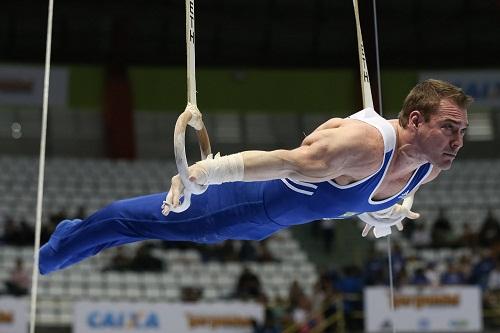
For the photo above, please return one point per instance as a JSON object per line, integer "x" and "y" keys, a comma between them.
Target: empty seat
{"x": 171, "y": 294}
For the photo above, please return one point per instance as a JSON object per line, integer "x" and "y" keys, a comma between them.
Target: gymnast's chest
{"x": 390, "y": 186}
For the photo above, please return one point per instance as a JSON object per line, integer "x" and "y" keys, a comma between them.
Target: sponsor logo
{"x": 458, "y": 323}
{"x": 426, "y": 301}
{"x": 404, "y": 194}
{"x": 123, "y": 320}
{"x": 214, "y": 321}
{"x": 6, "y": 317}
{"x": 424, "y": 324}
{"x": 16, "y": 86}
{"x": 386, "y": 325}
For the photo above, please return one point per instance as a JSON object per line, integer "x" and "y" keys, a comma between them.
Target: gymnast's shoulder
{"x": 355, "y": 148}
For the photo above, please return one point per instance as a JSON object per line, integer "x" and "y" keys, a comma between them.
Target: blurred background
{"x": 268, "y": 72}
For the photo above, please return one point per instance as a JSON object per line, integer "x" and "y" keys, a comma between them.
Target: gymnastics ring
{"x": 191, "y": 116}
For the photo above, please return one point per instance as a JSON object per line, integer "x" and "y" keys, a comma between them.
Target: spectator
{"x": 45, "y": 233}
{"x": 247, "y": 252}
{"x": 351, "y": 285}
{"x": 327, "y": 227}
{"x": 27, "y": 233}
{"x": 270, "y": 324}
{"x": 482, "y": 269}
{"x": 11, "y": 232}
{"x": 120, "y": 261}
{"x": 208, "y": 252}
{"x": 373, "y": 270}
{"x": 489, "y": 232}
{"x": 432, "y": 275}
{"x": 453, "y": 275}
{"x": 205, "y": 251}
{"x": 402, "y": 279}
{"x": 225, "y": 251}
{"x": 19, "y": 280}
{"x": 248, "y": 286}
{"x": 491, "y": 296}
{"x": 494, "y": 277}
{"x": 191, "y": 294}
{"x": 420, "y": 237}
{"x": 323, "y": 291}
{"x": 419, "y": 278}
{"x": 325, "y": 300}
{"x": 351, "y": 281}
{"x": 81, "y": 213}
{"x": 144, "y": 261}
{"x": 441, "y": 233}
{"x": 468, "y": 237}
{"x": 398, "y": 261}
{"x": 263, "y": 253}
{"x": 295, "y": 293}
{"x": 410, "y": 227}
{"x": 301, "y": 314}
{"x": 465, "y": 266}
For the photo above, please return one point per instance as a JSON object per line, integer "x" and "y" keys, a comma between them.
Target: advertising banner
{"x": 483, "y": 85}
{"x": 448, "y": 309}
{"x": 120, "y": 317}
{"x": 13, "y": 315}
{"x": 23, "y": 86}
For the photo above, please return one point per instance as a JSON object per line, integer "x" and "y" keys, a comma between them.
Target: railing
{"x": 337, "y": 318}
{"x": 491, "y": 308}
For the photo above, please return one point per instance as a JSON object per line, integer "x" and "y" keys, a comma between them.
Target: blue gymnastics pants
{"x": 226, "y": 211}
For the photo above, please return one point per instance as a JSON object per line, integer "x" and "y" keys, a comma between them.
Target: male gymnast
{"x": 362, "y": 165}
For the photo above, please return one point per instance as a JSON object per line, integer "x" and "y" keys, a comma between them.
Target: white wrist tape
{"x": 223, "y": 169}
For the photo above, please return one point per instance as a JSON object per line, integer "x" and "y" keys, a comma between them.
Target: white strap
{"x": 41, "y": 169}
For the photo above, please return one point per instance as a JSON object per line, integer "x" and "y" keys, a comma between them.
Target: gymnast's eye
{"x": 448, "y": 127}
{"x": 451, "y": 129}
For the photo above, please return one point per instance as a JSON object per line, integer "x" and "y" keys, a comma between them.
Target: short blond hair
{"x": 426, "y": 97}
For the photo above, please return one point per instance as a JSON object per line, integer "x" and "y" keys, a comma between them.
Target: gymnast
{"x": 362, "y": 165}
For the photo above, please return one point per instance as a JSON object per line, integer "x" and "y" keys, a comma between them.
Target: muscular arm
{"x": 325, "y": 154}
{"x": 307, "y": 163}
{"x": 331, "y": 123}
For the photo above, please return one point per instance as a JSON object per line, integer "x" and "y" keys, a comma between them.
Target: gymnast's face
{"x": 443, "y": 135}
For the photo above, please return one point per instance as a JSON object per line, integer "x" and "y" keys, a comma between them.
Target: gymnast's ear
{"x": 415, "y": 119}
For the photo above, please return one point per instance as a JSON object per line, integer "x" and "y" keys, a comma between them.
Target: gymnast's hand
{"x": 212, "y": 170}
{"x": 197, "y": 175}
{"x": 382, "y": 221}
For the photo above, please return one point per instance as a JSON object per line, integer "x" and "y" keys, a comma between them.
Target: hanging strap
{"x": 192, "y": 117}
{"x": 368, "y": 102}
